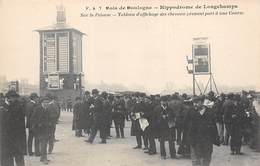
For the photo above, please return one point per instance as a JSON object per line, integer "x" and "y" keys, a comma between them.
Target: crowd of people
{"x": 38, "y": 115}
{"x": 190, "y": 124}
{"x": 193, "y": 123}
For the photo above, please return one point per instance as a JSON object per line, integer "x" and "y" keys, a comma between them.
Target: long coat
{"x": 165, "y": 121}
{"x": 229, "y": 108}
{"x": 150, "y": 115}
{"x": 77, "y": 117}
{"x": 177, "y": 107}
{"x": 136, "y": 128}
{"x": 98, "y": 114}
{"x": 87, "y": 119}
{"x": 54, "y": 111}
{"x": 41, "y": 122}
{"x": 219, "y": 111}
{"x": 202, "y": 128}
{"x": 236, "y": 130}
{"x": 107, "y": 106}
{"x": 3, "y": 134}
{"x": 119, "y": 113}
{"x": 14, "y": 129}
{"x": 28, "y": 112}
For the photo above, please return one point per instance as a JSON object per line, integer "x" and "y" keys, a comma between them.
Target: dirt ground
{"x": 71, "y": 150}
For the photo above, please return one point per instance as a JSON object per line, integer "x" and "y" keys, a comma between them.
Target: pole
{"x": 194, "y": 90}
{"x": 193, "y": 74}
{"x": 206, "y": 86}
{"x": 198, "y": 86}
{"x": 215, "y": 84}
{"x": 210, "y": 77}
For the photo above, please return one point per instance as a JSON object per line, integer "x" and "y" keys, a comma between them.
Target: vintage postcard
{"x": 129, "y": 73}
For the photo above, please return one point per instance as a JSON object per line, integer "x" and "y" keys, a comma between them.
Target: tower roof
{"x": 60, "y": 22}
{"x": 58, "y": 27}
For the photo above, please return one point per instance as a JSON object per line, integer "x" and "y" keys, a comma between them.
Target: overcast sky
{"x": 135, "y": 50}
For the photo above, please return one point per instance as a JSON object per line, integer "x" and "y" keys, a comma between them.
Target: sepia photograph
{"x": 127, "y": 83}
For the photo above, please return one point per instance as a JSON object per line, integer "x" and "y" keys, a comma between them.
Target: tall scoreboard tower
{"x": 61, "y": 58}
{"x": 201, "y": 64}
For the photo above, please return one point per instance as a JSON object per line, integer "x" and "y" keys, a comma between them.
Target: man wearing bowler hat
{"x": 15, "y": 138}
{"x": 42, "y": 126}
{"x": 30, "y": 105}
{"x": 202, "y": 133}
{"x": 165, "y": 122}
{"x": 98, "y": 118}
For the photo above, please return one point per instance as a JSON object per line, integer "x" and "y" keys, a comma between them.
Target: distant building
{"x": 3, "y": 83}
{"x": 60, "y": 58}
{"x": 26, "y": 88}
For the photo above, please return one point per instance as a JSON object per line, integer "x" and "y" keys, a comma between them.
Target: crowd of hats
{"x": 188, "y": 99}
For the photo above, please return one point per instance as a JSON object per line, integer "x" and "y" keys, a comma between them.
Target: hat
{"x": 45, "y": 99}
{"x": 2, "y": 95}
{"x": 230, "y": 95}
{"x": 188, "y": 101}
{"x": 11, "y": 93}
{"x": 148, "y": 97}
{"x": 49, "y": 95}
{"x": 111, "y": 97}
{"x": 33, "y": 96}
{"x": 197, "y": 98}
{"x": 184, "y": 95}
{"x": 77, "y": 98}
{"x": 104, "y": 94}
{"x": 87, "y": 93}
{"x": 174, "y": 96}
{"x": 164, "y": 98}
{"x": 211, "y": 94}
{"x": 95, "y": 91}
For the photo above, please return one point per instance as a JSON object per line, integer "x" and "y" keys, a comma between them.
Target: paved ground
{"x": 71, "y": 150}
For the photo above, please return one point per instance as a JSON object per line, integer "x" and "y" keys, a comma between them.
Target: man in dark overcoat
{"x": 184, "y": 148}
{"x": 86, "y": 111}
{"x": 119, "y": 113}
{"x": 228, "y": 107}
{"x": 99, "y": 122}
{"x": 219, "y": 114}
{"x": 14, "y": 123}
{"x": 3, "y": 134}
{"x": 137, "y": 110}
{"x": 42, "y": 126}
{"x": 110, "y": 114}
{"x": 30, "y": 105}
{"x": 176, "y": 104}
{"x": 236, "y": 131}
{"x": 77, "y": 114}
{"x": 166, "y": 123}
{"x": 202, "y": 133}
{"x": 151, "y": 131}
{"x": 54, "y": 110}
{"x": 107, "y": 109}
